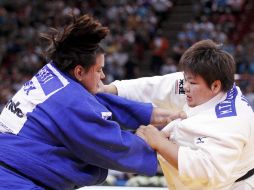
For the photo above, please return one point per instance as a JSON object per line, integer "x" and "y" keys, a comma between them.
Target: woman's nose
{"x": 186, "y": 86}
{"x": 102, "y": 75}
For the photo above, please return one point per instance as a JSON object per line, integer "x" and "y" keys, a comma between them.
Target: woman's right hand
{"x": 107, "y": 88}
{"x": 161, "y": 116}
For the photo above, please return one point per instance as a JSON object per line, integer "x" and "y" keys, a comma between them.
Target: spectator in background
{"x": 159, "y": 46}
{"x": 161, "y": 8}
{"x": 21, "y": 21}
{"x": 168, "y": 67}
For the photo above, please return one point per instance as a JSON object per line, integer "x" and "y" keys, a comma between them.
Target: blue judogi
{"x": 57, "y": 135}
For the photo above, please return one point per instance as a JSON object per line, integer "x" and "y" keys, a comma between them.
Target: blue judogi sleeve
{"x": 100, "y": 141}
{"x": 130, "y": 114}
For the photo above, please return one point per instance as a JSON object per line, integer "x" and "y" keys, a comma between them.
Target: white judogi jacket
{"x": 216, "y": 141}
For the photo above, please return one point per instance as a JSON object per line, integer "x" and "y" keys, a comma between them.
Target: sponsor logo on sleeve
{"x": 44, "y": 84}
{"x": 13, "y": 116}
{"x": 14, "y": 108}
{"x": 48, "y": 81}
{"x": 28, "y": 86}
{"x": 179, "y": 86}
{"x": 106, "y": 115}
{"x": 200, "y": 140}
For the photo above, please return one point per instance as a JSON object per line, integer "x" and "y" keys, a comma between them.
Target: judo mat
{"x": 121, "y": 188}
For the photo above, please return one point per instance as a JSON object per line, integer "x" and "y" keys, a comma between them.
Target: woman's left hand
{"x": 151, "y": 135}
{"x": 161, "y": 117}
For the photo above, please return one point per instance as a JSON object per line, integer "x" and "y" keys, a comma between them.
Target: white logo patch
{"x": 34, "y": 92}
{"x": 106, "y": 115}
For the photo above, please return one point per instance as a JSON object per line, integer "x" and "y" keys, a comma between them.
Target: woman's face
{"x": 196, "y": 89}
{"x": 91, "y": 79}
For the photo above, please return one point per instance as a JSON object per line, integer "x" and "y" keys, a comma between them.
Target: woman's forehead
{"x": 189, "y": 74}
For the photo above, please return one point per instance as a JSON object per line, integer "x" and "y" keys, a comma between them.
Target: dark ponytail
{"x": 77, "y": 44}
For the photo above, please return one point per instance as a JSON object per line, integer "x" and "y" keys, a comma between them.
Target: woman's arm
{"x": 132, "y": 114}
{"x": 162, "y": 91}
{"x": 159, "y": 141}
{"x": 109, "y": 88}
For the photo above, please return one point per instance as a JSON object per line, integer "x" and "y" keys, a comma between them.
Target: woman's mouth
{"x": 188, "y": 98}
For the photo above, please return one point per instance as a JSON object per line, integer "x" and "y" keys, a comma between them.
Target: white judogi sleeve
{"x": 163, "y": 91}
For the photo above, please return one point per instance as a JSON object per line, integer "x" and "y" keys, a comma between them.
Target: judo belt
{"x": 247, "y": 175}
{"x": 19, "y": 173}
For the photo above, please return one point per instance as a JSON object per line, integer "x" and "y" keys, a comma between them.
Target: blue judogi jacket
{"x": 55, "y": 133}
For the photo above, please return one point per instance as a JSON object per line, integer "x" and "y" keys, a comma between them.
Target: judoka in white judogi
{"x": 216, "y": 140}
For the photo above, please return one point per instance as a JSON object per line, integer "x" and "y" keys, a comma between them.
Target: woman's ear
{"x": 216, "y": 86}
{"x": 78, "y": 72}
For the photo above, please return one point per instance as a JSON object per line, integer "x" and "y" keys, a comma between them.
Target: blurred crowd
{"x": 219, "y": 20}
{"x": 137, "y": 45}
{"x": 133, "y": 26}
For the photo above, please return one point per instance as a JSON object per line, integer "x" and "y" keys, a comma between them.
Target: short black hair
{"x": 207, "y": 59}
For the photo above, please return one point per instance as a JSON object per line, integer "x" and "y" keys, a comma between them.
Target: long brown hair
{"x": 76, "y": 44}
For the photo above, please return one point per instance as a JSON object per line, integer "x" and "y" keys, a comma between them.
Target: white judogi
{"x": 216, "y": 141}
